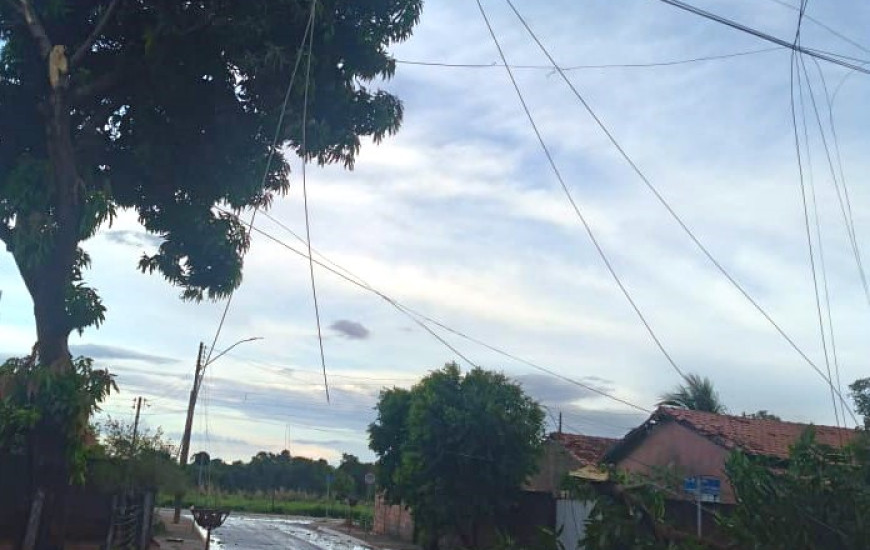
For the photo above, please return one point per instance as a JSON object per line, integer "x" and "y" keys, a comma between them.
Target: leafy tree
{"x": 818, "y": 501}
{"x": 460, "y": 452}
{"x": 164, "y": 108}
{"x": 861, "y": 397}
{"x": 357, "y": 471}
{"x": 762, "y": 415}
{"x": 119, "y": 462}
{"x": 697, "y": 394}
{"x": 343, "y": 486}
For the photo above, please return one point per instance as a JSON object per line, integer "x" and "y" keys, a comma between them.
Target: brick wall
{"x": 393, "y": 520}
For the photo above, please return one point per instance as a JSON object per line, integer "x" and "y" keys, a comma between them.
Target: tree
{"x": 456, "y": 449}
{"x": 166, "y": 109}
{"x": 861, "y": 397}
{"x": 697, "y": 394}
{"x": 762, "y": 415}
{"x": 357, "y": 471}
{"x": 120, "y": 461}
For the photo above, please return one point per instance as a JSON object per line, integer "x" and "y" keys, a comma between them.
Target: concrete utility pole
{"x": 136, "y": 426}
{"x": 188, "y": 425}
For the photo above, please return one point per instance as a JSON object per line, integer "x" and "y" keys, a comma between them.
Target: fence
{"x": 109, "y": 520}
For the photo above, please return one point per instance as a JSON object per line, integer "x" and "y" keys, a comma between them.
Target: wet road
{"x": 246, "y": 532}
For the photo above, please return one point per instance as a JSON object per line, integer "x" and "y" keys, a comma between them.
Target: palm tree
{"x": 697, "y": 394}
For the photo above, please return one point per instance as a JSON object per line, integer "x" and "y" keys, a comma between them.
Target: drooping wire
{"x": 794, "y": 68}
{"x": 842, "y": 197}
{"x": 695, "y": 239}
{"x": 671, "y": 63}
{"x": 555, "y": 169}
{"x": 417, "y": 316}
{"x": 305, "y": 200}
{"x": 272, "y": 148}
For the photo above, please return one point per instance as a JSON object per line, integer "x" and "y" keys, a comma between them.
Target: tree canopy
{"x": 861, "y": 397}
{"x": 697, "y": 394}
{"x": 456, "y": 449}
{"x": 168, "y": 109}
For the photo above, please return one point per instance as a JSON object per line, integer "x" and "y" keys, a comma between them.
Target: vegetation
{"x": 861, "y": 396}
{"x": 290, "y": 503}
{"x": 163, "y": 108}
{"x": 455, "y": 448}
{"x": 146, "y": 461}
{"x": 269, "y": 472}
{"x": 696, "y": 394}
{"x": 816, "y": 500}
{"x": 762, "y": 415}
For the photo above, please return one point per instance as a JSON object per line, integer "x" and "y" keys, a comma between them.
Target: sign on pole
{"x": 370, "y": 479}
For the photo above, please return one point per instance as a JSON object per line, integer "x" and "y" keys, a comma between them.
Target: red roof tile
{"x": 760, "y": 437}
{"x": 586, "y": 449}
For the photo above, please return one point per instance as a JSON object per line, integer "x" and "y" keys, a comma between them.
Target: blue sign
{"x": 710, "y": 486}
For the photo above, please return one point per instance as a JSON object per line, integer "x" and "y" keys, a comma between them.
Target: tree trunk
{"x": 47, "y": 280}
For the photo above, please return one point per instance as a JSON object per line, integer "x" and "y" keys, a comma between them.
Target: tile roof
{"x": 759, "y": 437}
{"x": 587, "y": 449}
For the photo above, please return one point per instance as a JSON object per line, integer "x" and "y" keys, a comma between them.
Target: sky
{"x": 460, "y": 217}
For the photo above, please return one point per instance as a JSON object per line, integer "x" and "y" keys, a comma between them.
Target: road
{"x": 252, "y": 532}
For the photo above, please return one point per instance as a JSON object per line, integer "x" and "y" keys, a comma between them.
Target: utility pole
{"x": 136, "y": 426}
{"x": 560, "y": 422}
{"x": 188, "y": 425}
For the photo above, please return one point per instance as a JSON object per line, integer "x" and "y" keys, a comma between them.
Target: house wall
{"x": 393, "y": 520}
{"x": 685, "y": 453}
{"x": 553, "y": 466}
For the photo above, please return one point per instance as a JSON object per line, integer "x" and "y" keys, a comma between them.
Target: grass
{"x": 264, "y": 504}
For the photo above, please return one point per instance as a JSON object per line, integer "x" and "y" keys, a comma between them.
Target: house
{"x": 695, "y": 443}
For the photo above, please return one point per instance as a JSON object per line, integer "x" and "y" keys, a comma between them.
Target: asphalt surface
{"x": 249, "y": 532}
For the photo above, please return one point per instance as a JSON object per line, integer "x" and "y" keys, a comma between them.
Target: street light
{"x": 194, "y": 393}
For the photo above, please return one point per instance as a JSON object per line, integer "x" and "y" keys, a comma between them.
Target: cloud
{"x": 133, "y": 238}
{"x": 548, "y": 389}
{"x": 103, "y": 352}
{"x": 350, "y": 329}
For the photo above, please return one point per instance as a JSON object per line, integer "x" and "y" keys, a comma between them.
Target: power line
{"x": 570, "y": 197}
{"x": 795, "y": 67}
{"x": 825, "y": 56}
{"x": 305, "y": 200}
{"x": 823, "y": 25}
{"x": 272, "y": 148}
{"x": 671, "y": 63}
{"x": 700, "y": 245}
{"x": 415, "y": 314}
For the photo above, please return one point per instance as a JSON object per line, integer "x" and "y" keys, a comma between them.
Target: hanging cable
{"x": 272, "y": 148}
{"x": 571, "y": 200}
{"x": 654, "y": 64}
{"x": 414, "y": 314}
{"x": 794, "y": 67}
{"x": 825, "y": 56}
{"x": 698, "y": 243}
{"x": 305, "y": 201}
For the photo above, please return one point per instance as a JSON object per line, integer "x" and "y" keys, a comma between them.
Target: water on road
{"x": 251, "y": 532}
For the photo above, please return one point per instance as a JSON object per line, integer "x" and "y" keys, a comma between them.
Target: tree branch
{"x": 6, "y": 236}
{"x": 97, "y": 86}
{"x": 95, "y": 34}
{"x": 35, "y": 26}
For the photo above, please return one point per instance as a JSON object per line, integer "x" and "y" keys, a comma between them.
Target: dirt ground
{"x": 178, "y": 536}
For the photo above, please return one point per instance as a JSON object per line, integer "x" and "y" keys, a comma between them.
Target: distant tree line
{"x": 268, "y": 472}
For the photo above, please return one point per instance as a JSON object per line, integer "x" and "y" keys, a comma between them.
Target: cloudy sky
{"x": 460, "y": 218}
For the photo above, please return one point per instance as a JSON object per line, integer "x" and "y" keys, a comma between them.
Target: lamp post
{"x": 191, "y": 406}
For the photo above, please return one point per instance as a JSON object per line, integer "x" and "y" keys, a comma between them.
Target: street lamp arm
{"x": 224, "y": 352}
